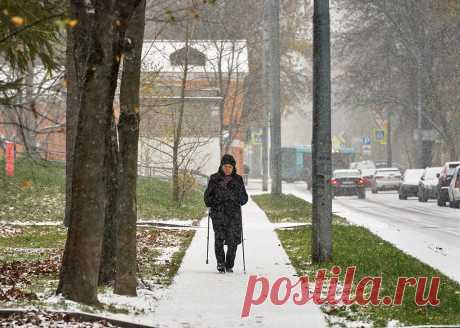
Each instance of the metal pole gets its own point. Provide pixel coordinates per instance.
(274, 95)
(389, 144)
(321, 138)
(207, 247)
(419, 142)
(266, 102)
(242, 244)
(265, 159)
(389, 84)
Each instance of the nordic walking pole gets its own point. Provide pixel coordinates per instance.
(207, 247)
(242, 243)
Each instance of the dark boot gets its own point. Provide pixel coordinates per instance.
(230, 257)
(220, 254)
(221, 267)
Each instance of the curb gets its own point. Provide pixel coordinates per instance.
(77, 315)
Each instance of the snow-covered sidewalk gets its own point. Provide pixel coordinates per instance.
(201, 297)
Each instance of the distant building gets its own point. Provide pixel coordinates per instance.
(215, 80)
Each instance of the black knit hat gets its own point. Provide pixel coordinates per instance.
(228, 159)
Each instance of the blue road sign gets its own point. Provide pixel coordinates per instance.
(366, 140)
(380, 135)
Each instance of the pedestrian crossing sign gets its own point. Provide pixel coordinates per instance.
(380, 136)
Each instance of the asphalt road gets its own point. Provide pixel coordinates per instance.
(424, 230)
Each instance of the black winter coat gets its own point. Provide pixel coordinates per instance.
(225, 206)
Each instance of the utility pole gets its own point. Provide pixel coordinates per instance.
(274, 94)
(419, 142)
(387, 110)
(425, 91)
(265, 157)
(389, 144)
(321, 141)
(265, 97)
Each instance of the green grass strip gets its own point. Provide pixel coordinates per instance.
(357, 246)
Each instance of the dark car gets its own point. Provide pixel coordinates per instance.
(444, 179)
(409, 183)
(348, 183)
(428, 184)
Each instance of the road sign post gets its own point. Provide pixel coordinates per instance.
(9, 159)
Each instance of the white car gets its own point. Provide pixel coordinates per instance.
(362, 165)
(454, 189)
(386, 179)
(410, 182)
(428, 184)
(367, 175)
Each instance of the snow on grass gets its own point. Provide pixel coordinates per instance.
(29, 269)
(29, 223)
(165, 222)
(356, 246)
(49, 319)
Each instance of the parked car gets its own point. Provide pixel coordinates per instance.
(444, 179)
(454, 189)
(367, 164)
(367, 175)
(383, 165)
(348, 183)
(367, 169)
(409, 183)
(428, 184)
(386, 179)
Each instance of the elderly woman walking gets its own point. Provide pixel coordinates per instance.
(224, 195)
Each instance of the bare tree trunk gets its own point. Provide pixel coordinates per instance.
(128, 126)
(113, 162)
(452, 150)
(321, 145)
(178, 127)
(73, 76)
(80, 268)
(274, 94)
(112, 173)
(71, 119)
(29, 115)
(221, 103)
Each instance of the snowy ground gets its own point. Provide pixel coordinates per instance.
(49, 319)
(28, 276)
(200, 297)
(423, 230)
(205, 298)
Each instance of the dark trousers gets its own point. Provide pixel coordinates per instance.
(222, 258)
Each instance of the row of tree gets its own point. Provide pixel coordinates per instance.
(103, 52)
(105, 46)
(397, 59)
(102, 155)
